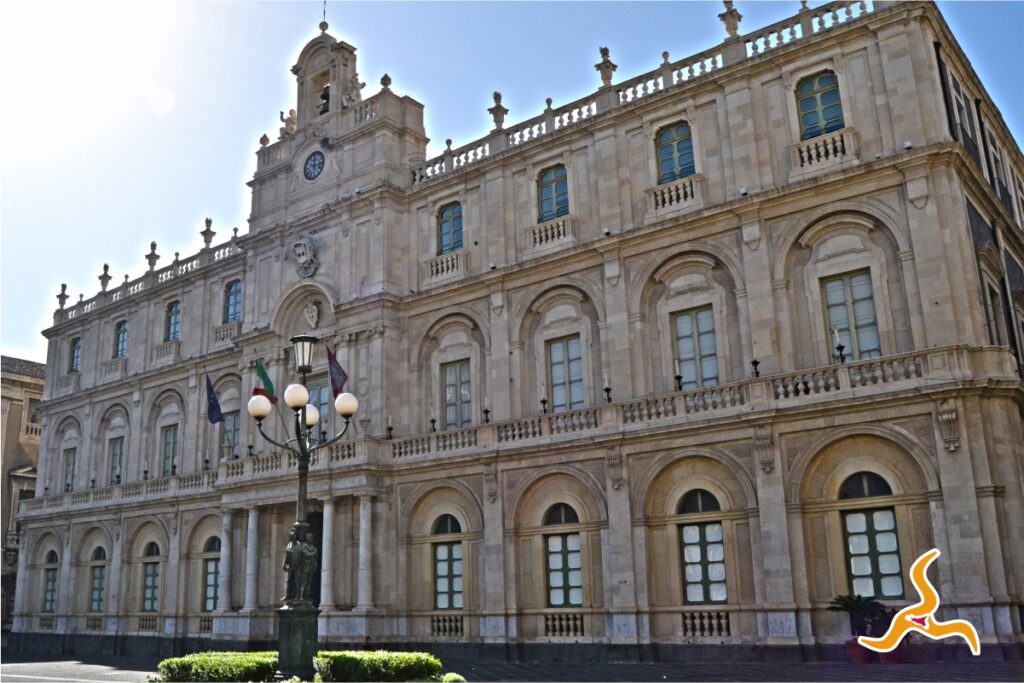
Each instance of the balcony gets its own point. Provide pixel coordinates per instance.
(226, 332)
(445, 267)
(113, 369)
(68, 384)
(167, 352)
(679, 196)
(560, 232)
(827, 152)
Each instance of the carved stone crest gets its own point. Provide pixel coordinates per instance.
(311, 312)
(304, 253)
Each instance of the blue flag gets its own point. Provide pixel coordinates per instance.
(213, 411)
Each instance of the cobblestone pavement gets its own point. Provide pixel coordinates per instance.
(124, 669)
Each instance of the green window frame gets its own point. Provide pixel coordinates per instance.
(448, 569)
(49, 589)
(565, 373)
(211, 581)
(150, 586)
(75, 360)
(850, 313)
(69, 468)
(696, 347)
(819, 106)
(97, 581)
(552, 193)
(674, 149)
(564, 570)
(233, 301)
(873, 553)
(115, 449)
(457, 398)
(449, 228)
(172, 322)
(121, 339)
(168, 449)
(702, 546)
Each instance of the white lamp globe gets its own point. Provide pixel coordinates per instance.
(346, 405)
(259, 406)
(296, 396)
(312, 415)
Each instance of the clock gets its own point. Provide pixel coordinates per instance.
(314, 166)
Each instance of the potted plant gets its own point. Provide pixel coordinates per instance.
(865, 614)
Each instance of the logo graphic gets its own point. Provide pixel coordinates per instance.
(921, 616)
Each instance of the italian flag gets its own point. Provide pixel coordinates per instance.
(268, 387)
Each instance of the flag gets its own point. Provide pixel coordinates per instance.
(213, 409)
(338, 374)
(268, 387)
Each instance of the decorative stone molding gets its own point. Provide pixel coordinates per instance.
(949, 426)
(917, 191)
(764, 450)
(303, 250)
(613, 468)
(752, 235)
(491, 483)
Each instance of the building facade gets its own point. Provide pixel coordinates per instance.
(671, 365)
(21, 399)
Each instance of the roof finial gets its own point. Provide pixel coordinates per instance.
(323, 24)
(731, 18)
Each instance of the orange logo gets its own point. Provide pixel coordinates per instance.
(921, 617)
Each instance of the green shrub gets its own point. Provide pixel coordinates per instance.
(220, 666)
(354, 665)
(452, 677)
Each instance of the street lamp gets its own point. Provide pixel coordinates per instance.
(297, 618)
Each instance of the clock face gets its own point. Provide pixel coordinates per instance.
(313, 166)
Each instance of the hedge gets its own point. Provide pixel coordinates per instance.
(354, 665)
(220, 666)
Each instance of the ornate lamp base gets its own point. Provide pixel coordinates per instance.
(297, 640)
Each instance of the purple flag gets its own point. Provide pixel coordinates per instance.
(338, 374)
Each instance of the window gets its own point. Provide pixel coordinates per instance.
(993, 310)
(233, 301)
(50, 582)
(872, 543)
(449, 228)
(320, 396)
(97, 580)
(674, 146)
(151, 579)
(565, 372)
(457, 403)
(33, 410)
(168, 449)
(552, 193)
(820, 111)
(447, 565)
(69, 468)
(850, 306)
(121, 339)
(564, 560)
(696, 351)
(172, 322)
(702, 549)
(75, 355)
(211, 574)
(116, 449)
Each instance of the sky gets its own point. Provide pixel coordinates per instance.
(125, 123)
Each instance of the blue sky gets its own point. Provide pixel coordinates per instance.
(127, 123)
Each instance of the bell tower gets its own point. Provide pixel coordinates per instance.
(326, 76)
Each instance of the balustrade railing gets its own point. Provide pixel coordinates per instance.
(446, 265)
(823, 152)
(564, 625)
(558, 231)
(447, 625)
(685, 193)
(706, 624)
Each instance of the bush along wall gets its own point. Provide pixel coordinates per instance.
(219, 666)
(380, 665)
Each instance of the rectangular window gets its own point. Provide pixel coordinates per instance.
(993, 309)
(565, 570)
(448, 575)
(565, 373)
(320, 396)
(116, 450)
(457, 403)
(233, 302)
(150, 586)
(873, 553)
(850, 306)
(33, 410)
(229, 439)
(69, 468)
(168, 449)
(211, 578)
(49, 590)
(696, 350)
(75, 362)
(449, 228)
(98, 577)
(553, 193)
(703, 554)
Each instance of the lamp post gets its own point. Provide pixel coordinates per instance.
(297, 618)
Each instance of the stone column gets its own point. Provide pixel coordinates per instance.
(252, 559)
(224, 577)
(327, 558)
(364, 599)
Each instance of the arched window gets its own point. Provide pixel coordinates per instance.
(50, 582)
(449, 228)
(172, 322)
(447, 565)
(817, 100)
(151, 579)
(564, 559)
(211, 574)
(702, 547)
(97, 579)
(552, 193)
(233, 301)
(75, 355)
(121, 339)
(872, 540)
(674, 147)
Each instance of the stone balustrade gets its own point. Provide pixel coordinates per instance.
(446, 266)
(227, 331)
(823, 153)
(685, 194)
(706, 624)
(558, 232)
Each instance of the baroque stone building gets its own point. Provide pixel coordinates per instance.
(671, 365)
